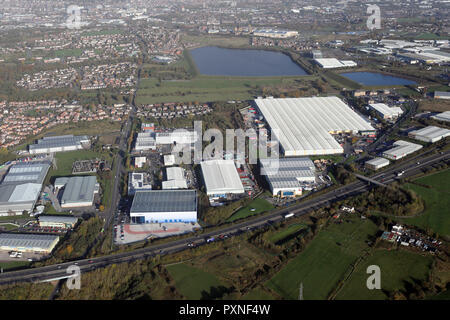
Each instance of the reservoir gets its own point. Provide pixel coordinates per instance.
(376, 79)
(215, 61)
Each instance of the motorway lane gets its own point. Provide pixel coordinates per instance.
(302, 208)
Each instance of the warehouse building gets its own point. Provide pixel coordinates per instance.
(385, 111)
(441, 95)
(401, 149)
(377, 163)
(221, 178)
(39, 243)
(444, 116)
(179, 136)
(164, 206)
(21, 186)
(139, 162)
(175, 179)
(63, 222)
(429, 134)
(304, 126)
(145, 141)
(77, 192)
(59, 144)
(333, 63)
(287, 176)
(138, 181)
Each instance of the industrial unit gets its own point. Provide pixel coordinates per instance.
(59, 144)
(401, 149)
(304, 126)
(441, 95)
(429, 134)
(39, 243)
(162, 206)
(385, 111)
(52, 221)
(377, 163)
(77, 191)
(443, 116)
(287, 176)
(221, 178)
(179, 136)
(175, 179)
(21, 187)
(332, 63)
(138, 181)
(145, 141)
(139, 162)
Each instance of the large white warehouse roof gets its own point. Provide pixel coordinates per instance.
(305, 124)
(221, 177)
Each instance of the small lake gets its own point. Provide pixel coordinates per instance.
(215, 61)
(376, 79)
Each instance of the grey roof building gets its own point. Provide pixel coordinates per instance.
(41, 243)
(77, 191)
(286, 176)
(21, 186)
(59, 144)
(164, 206)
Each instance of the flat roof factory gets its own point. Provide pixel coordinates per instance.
(41, 243)
(287, 176)
(377, 163)
(443, 116)
(21, 187)
(59, 144)
(52, 221)
(305, 125)
(162, 206)
(221, 177)
(77, 191)
(401, 149)
(385, 111)
(429, 134)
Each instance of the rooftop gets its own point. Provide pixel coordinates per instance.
(164, 201)
(304, 125)
(221, 177)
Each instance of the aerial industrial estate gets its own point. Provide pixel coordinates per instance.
(115, 150)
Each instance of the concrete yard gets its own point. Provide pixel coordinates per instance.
(139, 232)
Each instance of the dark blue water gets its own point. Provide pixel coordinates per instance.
(216, 61)
(376, 79)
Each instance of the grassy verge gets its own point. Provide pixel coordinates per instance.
(259, 205)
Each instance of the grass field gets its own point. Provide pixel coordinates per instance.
(191, 282)
(293, 228)
(397, 268)
(207, 88)
(260, 205)
(324, 262)
(258, 294)
(437, 202)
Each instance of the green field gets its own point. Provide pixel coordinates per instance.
(260, 205)
(437, 203)
(258, 294)
(191, 282)
(324, 262)
(293, 228)
(206, 89)
(396, 267)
